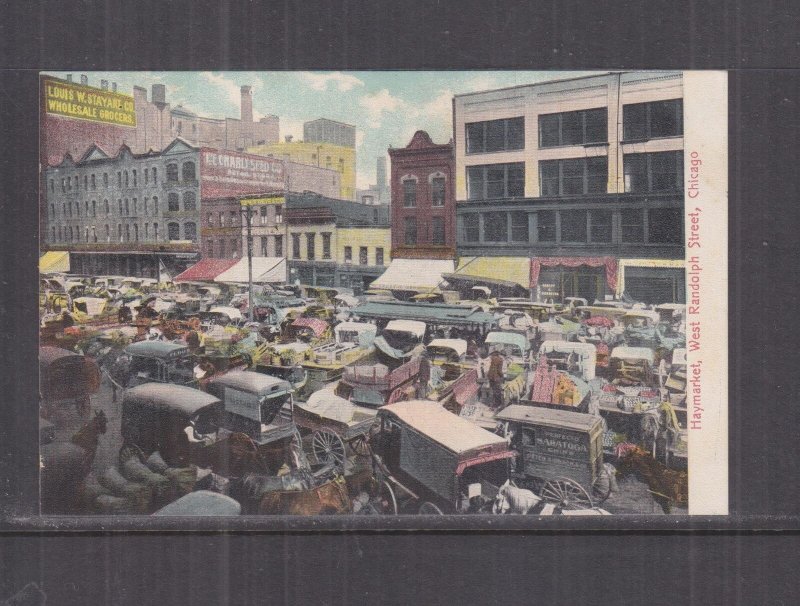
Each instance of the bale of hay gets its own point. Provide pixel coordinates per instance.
(156, 464)
(136, 471)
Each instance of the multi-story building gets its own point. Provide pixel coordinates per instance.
(337, 158)
(323, 130)
(378, 192)
(221, 229)
(130, 214)
(571, 182)
(423, 199)
(323, 235)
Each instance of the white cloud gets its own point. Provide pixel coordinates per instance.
(231, 90)
(364, 179)
(343, 82)
(378, 104)
(291, 126)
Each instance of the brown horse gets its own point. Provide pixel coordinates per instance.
(329, 498)
(669, 486)
(88, 436)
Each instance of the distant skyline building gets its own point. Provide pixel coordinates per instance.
(324, 130)
(379, 192)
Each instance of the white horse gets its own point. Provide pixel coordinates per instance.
(511, 499)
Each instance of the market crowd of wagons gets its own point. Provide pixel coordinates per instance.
(342, 383)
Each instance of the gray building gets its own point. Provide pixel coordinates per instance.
(323, 130)
(127, 214)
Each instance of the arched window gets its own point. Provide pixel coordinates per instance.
(172, 172)
(134, 177)
(134, 207)
(107, 207)
(188, 171)
(120, 206)
(94, 182)
(108, 233)
(94, 208)
(155, 175)
(85, 181)
(70, 233)
(127, 207)
(190, 231)
(77, 209)
(63, 209)
(127, 232)
(135, 232)
(210, 219)
(59, 233)
(119, 231)
(173, 202)
(52, 210)
(155, 232)
(173, 231)
(155, 205)
(146, 230)
(234, 248)
(145, 205)
(94, 234)
(87, 234)
(53, 233)
(189, 200)
(126, 178)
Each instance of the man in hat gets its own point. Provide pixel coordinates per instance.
(496, 378)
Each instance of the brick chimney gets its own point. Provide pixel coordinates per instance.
(247, 104)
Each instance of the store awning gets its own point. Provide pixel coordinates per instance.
(661, 263)
(54, 261)
(501, 271)
(609, 263)
(205, 270)
(419, 275)
(266, 270)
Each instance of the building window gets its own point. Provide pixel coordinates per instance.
(52, 210)
(188, 171)
(643, 121)
(295, 246)
(348, 254)
(119, 232)
(661, 171)
(495, 135)
(573, 226)
(368, 200)
(126, 178)
(210, 248)
(189, 200)
(136, 232)
(146, 172)
(210, 219)
(278, 246)
(134, 177)
(135, 207)
(573, 177)
(145, 204)
(574, 128)
(437, 230)
(94, 183)
(172, 173)
(222, 249)
(85, 187)
(263, 213)
(519, 226)
(234, 215)
(127, 207)
(173, 202)
(155, 232)
(632, 225)
(470, 224)
(222, 219)
(106, 207)
(53, 233)
(546, 225)
(94, 208)
(52, 186)
(409, 193)
(119, 179)
(496, 181)
(437, 191)
(108, 233)
(190, 231)
(326, 246)
(235, 249)
(279, 213)
(155, 175)
(495, 227)
(664, 225)
(264, 246)
(363, 255)
(155, 205)
(146, 230)
(105, 179)
(379, 256)
(127, 232)
(410, 232)
(173, 231)
(86, 235)
(600, 224)
(310, 246)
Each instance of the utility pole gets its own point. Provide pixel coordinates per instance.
(249, 262)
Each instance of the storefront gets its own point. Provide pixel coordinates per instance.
(161, 266)
(504, 276)
(653, 281)
(555, 278)
(414, 275)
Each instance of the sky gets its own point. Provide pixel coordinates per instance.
(385, 107)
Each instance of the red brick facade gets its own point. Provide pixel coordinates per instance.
(423, 162)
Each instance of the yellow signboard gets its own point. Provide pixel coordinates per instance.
(87, 103)
(263, 201)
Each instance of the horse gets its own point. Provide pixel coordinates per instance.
(668, 486)
(89, 434)
(511, 499)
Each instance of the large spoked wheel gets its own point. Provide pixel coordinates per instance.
(328, 448)
(567, 494)
(601, 490)
(429, 509)
(360, 446)
(387, 500)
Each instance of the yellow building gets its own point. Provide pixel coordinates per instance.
(362, 255)
(325, 155)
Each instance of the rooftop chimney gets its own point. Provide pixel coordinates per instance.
(247, 104)
(104, 84)
(84, 80)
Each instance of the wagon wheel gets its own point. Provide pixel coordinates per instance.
(566, 493)
(429, 509)
(328, 447)
(385, 499)
(601, 490)
(360, 445)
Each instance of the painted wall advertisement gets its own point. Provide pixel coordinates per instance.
(87, 103)
(227, 173)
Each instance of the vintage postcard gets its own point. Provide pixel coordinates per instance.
(383, 293)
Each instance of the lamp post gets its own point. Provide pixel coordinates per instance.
(247, 213)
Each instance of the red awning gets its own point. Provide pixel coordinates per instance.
(485, 458)
(206, 270)
(610, 264)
